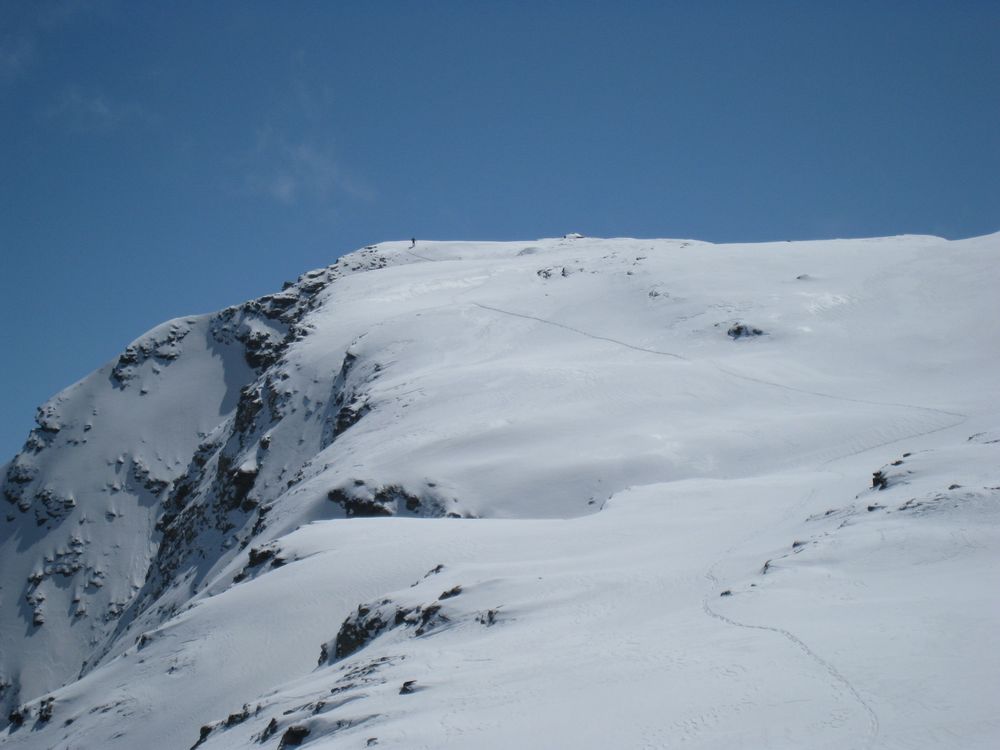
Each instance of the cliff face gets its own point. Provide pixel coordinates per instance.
(141, 477)
(620, 423)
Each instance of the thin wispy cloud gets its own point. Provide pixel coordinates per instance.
(294, 160)
(92, 111)
(26, 26)
(16, 54)
(296, 171)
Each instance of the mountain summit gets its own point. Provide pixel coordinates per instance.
(574, 492)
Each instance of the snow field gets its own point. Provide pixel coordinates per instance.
(670, 538)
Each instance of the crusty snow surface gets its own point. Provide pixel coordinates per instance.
(527, 495)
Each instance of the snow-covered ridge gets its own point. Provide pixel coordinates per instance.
(658, 469)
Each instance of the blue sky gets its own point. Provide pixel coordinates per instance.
(163, 159)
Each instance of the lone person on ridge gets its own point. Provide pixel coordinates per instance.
(413, 242)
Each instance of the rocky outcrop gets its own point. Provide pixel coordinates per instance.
(741, 330)
(371, 620)
(349, 400)
(162, 344)
(202, 504)
(360, 501)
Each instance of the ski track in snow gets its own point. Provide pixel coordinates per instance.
(760, 381)
(835, 397)
(423, 257)
(837, 675)
(873, 721)
(909, 436)
(732, 373)
(583, 333)
(829, 668)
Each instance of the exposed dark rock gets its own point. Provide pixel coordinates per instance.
(428, 617)
(249, 406)
(357, 631)
(349, 415)
(47, 418)
(370, 621)
(257, 557)
(451, 592)
(548, 273)
(203, 735)
(742, 330)
(260, 555)
(239, 717)
(879, 481)
(408, 687)
(349, 402)
(162, 345)
(51, 505)
(262, 349)
(142, 476)
(488, 618)
(21, 473)
(38, 440)
(242, 481)
(358, 507)
(293, 736)
(360, 501)
(269, 730)
(361, 674)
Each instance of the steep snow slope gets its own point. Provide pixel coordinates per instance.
(644, 467)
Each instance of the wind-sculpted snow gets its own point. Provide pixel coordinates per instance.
(568, 493)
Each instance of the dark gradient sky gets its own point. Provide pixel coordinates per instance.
(162, 159)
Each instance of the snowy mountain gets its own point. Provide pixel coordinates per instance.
(576, 492)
